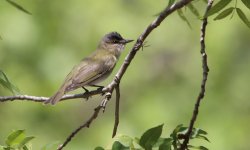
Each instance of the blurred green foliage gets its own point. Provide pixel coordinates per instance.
(37, 51)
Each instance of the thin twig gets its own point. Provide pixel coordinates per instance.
(88, 122)
(43, 99)
(84, 125)
(204, 78)
(117, 105)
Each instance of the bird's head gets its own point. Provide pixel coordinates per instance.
(113, 42)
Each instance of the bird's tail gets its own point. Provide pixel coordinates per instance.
(55, 98)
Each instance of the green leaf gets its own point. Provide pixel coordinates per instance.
(25, 147)
(200, 131)
(202, 137)
(4, 81)
(197, 131)
(124, 139)
(183, 17)
(25, 141)
(224, 13)
(218, 7)
(193, 10)
(162, 140)
(243, 17)
(15, 138)
(150, 137)
(246, 3)
(118, 146)
(18, 6)
(166, 145)
(99, 148)
(197, 147)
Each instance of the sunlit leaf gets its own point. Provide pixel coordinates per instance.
(224, 13)
(246, 3)
(25, 141)
(243, 17)
(124, 139)
(15, 137)
(19, 7)
(193, 10)
(183, 17)
(150, 137)
(218, 7)
(4, 81)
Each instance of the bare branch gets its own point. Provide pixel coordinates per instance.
(43, 99)
(204, 77)
(88, 122)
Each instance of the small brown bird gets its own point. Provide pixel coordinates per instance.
(95, 68)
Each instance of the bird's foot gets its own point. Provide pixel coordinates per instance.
(86, 92)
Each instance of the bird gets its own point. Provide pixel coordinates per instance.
(95, 68)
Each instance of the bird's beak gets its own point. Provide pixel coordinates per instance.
(125, 41)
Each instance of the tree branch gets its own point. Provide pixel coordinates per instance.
(204, 77)
(108, 90)
(43, 99)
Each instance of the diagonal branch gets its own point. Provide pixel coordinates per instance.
(88, 122)
(204, 78)
(85, 125)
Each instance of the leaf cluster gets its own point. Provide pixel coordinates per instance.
(17, 140)
(151, 139)
(224, 12)
(219, 8)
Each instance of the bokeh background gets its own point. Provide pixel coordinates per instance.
(161, 85)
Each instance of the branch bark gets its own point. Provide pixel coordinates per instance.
(204, 78)
(43, 99)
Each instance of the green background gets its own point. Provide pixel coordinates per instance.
(160, 86)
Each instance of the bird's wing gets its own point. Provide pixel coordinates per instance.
(87, 72)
